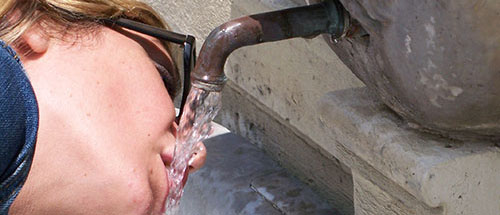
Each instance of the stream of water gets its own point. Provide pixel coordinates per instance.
(195, 126)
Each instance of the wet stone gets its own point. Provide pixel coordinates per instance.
(289, 195)
(239, 178)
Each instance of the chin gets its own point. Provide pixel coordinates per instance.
(144, 200)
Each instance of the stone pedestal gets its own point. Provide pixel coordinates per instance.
(398, 170)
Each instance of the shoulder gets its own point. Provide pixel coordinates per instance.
(18, 126)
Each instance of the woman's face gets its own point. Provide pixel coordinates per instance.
(106, 129)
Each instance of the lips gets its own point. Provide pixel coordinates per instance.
(167, 158)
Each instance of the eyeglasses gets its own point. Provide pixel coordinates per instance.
(187, 41)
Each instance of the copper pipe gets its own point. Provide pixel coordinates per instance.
(307, 21)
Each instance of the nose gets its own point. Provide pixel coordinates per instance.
(198, 158)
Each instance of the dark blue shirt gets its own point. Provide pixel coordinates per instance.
(18, 126)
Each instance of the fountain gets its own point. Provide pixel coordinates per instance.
(401, 52)
(208, 77)
(433, 62)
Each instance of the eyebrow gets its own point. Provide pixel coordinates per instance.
(165, 75)
(166, 70)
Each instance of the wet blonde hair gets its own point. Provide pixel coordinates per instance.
(62, 15)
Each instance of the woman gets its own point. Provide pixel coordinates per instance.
(105, 117)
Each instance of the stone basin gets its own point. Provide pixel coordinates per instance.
(435, 63)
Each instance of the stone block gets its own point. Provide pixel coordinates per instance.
(370, 199)
(457, 176)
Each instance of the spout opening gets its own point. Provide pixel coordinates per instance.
(210, 86)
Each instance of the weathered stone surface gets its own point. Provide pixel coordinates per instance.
(436, 63)
(369, 199)
(292, 149)
(288, 77)
(461, 177)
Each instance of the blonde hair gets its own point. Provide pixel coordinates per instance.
(19, 15)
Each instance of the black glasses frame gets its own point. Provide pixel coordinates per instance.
(187, 41)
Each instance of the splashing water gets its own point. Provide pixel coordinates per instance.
(195, 126)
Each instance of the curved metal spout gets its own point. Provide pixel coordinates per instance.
(326, 17)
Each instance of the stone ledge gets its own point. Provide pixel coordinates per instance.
(461, 177)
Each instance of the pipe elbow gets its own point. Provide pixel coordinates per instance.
(218, 46)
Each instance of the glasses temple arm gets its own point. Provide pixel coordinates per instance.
(149, 30)
(189, 56)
